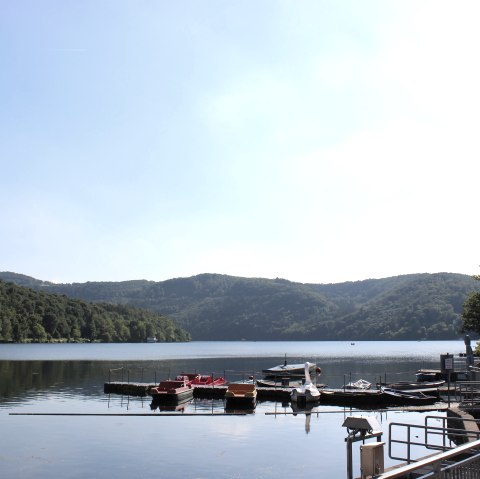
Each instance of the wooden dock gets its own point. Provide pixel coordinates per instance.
(276, 394)
(200, 392)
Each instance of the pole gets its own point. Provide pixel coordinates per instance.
(349, 457)
(448, 387)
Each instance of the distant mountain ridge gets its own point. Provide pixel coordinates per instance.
(222, 307)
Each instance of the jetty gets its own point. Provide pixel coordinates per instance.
(199, 392)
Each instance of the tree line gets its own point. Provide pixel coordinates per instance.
(27, 315)
(222, 307)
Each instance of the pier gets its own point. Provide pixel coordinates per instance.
(274, 394)
(200, 392)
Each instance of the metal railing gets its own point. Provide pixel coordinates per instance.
(469, 392)
(429, 432)
(445, 420)
(462, 462)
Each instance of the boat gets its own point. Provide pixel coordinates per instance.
(403, 398)
(374, 398)
(290, 370)
(429, 375)
(241, 396)
(203, 379)
(360, 384)
(419, 386)
(173, 390)
(283, 383)
(308, 392)
(364, 398)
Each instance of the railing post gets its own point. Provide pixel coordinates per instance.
(408, 445)
(349, 457)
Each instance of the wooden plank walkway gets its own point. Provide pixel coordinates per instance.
(200, 392)
(277, 394)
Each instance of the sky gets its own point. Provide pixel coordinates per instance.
(316, 141)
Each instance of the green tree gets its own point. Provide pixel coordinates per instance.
(471, 313)
(38, 333)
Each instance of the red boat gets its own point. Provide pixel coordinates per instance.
(203, 379)
(176, 390)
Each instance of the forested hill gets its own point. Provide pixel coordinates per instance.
(220, 307)
(29, 315)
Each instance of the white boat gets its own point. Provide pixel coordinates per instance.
(360, 384)
(290, 370)
(308, 392)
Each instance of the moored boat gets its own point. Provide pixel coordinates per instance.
(283, 383)
(404, 398)
(173, 390)
(430, 387)
(290, 370)
(365, 398)
(374, 398)
(203, 379)
(241, 395)
(308, 392)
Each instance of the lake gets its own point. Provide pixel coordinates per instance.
(127, 439)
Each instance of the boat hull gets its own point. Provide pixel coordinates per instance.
(285, 383)
(289, 370)
(371, 399)
(241, 396)
(173, 391)
(353, 398)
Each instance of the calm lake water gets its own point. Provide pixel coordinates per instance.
(126, 439)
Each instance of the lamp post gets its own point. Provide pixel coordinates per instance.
(360, 428)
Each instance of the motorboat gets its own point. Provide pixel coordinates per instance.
(290, 370)
(308, 392)
(173, 390)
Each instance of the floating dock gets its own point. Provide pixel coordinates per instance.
(200, 392)
(370, 399)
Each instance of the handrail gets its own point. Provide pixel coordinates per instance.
(434, 462)
(444, 420)
(428, 430)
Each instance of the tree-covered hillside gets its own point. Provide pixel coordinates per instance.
(30, 315)
(221, 307)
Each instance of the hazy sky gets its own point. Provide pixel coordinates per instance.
(317, 141)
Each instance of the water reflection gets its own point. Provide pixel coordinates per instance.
(26, 379)
(180, 406)
(120, 441)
